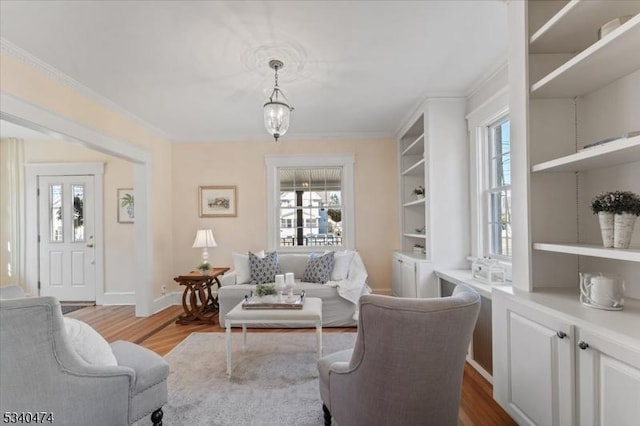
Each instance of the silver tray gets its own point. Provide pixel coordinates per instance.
(251, 302)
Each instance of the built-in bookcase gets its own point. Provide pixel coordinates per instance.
(413, 172)
(432, 154)
(578, 90)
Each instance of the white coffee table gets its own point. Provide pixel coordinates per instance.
(310, 314)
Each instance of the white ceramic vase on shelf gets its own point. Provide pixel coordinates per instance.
(606, 228)
(623, 229)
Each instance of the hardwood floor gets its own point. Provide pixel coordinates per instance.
(160, 334)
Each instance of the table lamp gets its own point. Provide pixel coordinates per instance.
(204, 239)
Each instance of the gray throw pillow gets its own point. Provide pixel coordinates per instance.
(319, 268)
(264, 270)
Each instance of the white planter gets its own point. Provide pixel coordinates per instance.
(623, 229)
(606, 228)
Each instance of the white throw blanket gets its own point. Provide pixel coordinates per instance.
(355, 285)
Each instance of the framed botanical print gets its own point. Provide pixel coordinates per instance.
(126, 212)
(218, 201)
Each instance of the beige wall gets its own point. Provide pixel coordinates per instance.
(243, 164)
(24, 81)
(118, 173)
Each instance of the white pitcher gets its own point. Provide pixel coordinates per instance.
(602, 291)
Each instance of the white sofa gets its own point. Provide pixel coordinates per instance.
(339, 296)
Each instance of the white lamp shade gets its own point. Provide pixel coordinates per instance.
(204, 238)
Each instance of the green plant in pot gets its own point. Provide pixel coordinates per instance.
(265, 290)
(617, 213)
(204, 268)
(419, 191)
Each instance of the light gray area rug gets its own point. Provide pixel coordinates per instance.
(275, 382)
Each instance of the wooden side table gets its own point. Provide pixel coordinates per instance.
(199, 304)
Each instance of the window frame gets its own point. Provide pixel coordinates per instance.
(275, 161)
(478, 122)
(488, 189)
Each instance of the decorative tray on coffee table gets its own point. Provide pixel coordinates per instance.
(252, 302)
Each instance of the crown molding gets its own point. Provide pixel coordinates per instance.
(484, 78)
(19, 53)
(413, 112)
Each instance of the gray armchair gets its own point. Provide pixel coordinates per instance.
(407, 364)
(40, 371)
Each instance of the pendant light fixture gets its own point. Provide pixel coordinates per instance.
(277, 109)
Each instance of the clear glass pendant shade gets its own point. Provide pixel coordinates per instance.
(276, 114)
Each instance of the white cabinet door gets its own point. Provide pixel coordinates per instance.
(396, 275)
(533, 364)
(403, 276)
(408, 278)
(608, 382)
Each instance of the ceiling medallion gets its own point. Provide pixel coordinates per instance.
(277, 109)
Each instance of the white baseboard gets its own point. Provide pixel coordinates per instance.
(484, 373)
(169, 299)
(126, 298)
(119, 298)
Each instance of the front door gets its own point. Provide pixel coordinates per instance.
(66, 215)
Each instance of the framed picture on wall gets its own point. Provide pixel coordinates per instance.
(126, 212)
(218, 201)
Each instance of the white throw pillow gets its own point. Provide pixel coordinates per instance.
(342, 263)
(241, 266)
(88, 343)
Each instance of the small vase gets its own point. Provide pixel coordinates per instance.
(606, 228)
(623, 229)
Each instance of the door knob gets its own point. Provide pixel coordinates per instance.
(90, 245)
(561, 334)
(583, 345)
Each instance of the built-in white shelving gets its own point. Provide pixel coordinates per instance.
(595, 66)
(416, 147)
(592, 250)
(418, 202)
(589, 93)
(626, 150)
(576, 25)
(419, 236)
(415, 169)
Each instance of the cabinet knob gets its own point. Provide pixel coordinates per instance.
(583, 345)
(561, 334)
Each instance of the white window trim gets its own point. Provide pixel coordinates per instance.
(478, 122)
(273, 162)
(488, 188)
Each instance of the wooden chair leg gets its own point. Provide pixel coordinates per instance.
(327, 415)
(156, 417)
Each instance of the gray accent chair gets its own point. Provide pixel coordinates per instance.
(40, 371)
(407, 364)
(11, 292)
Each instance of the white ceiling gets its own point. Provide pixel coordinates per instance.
(197, 70)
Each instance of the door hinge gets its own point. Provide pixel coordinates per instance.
(38, 192)
(38, 285)
(38, 238)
